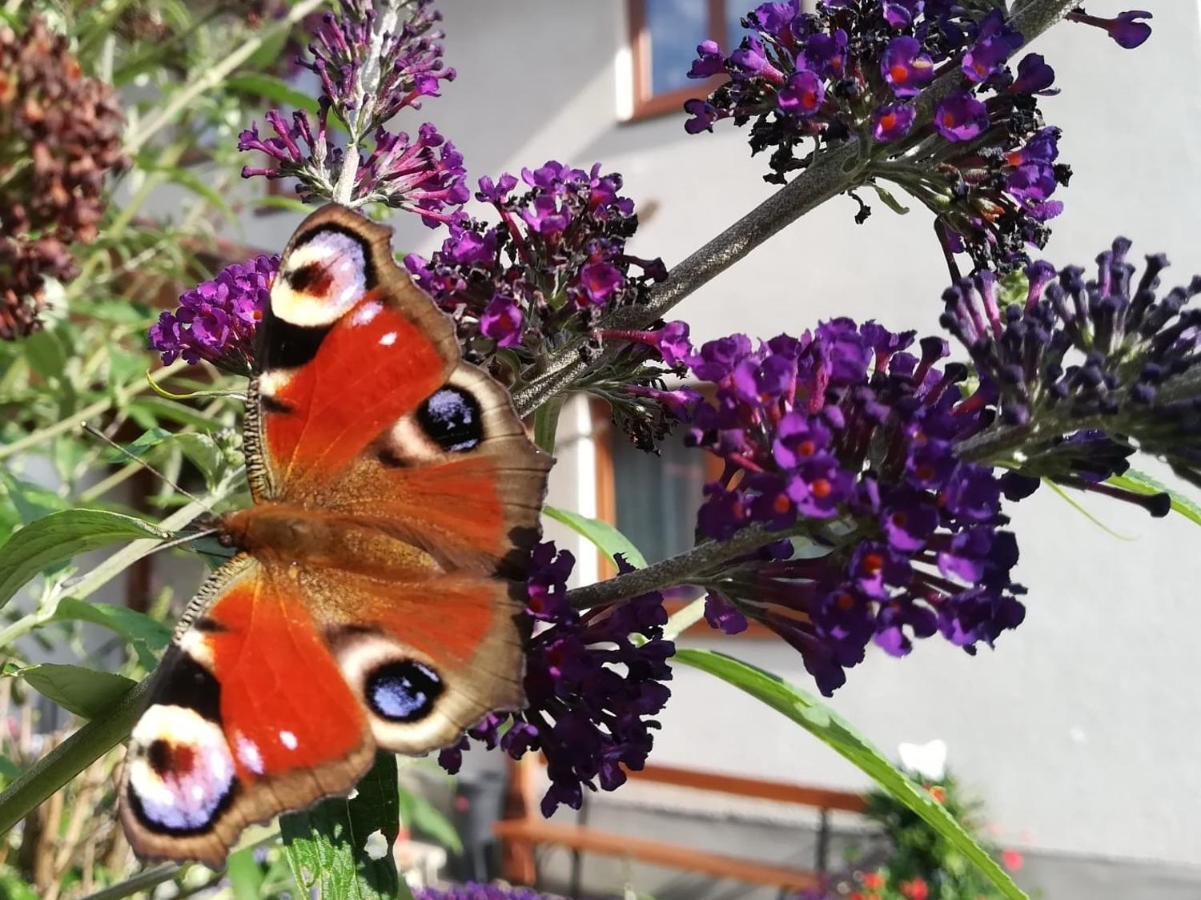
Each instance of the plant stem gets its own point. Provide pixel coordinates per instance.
(685, 568)
(70, 757)
(210, 78)
(94, 409)
(831, 172)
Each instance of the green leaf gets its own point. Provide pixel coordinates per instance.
(1141, 483)
(59, 537)
(162, 408)
(334, 847)
(148, 636)
(31, 501)
(280, 201)
(889, 200)
(608, 539)
(245, 874)
(427, 820)
(271, 88)
(46, 353)
(85, 692)
(831, 729)
(201, 449)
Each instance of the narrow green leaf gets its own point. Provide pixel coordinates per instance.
(608, 539)
(245, 875)
(890, 200)
(162, 408)
(60, 536)
(280, 201)
(425, 819)
(343, 847)
(1141, 483)
(143, 883)
(31, 501)
(269, 87)
(85, 692)
(148, 636)
(201, 449)
(830, 728)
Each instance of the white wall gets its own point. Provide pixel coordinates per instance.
(1080, 731)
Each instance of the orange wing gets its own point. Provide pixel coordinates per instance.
(397, 497)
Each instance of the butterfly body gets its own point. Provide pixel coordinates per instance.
(373, 597)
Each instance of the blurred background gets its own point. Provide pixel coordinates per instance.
(1079, 733)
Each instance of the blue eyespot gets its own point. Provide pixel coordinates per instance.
(403, 691)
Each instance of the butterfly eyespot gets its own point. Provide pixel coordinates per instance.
(403, 690)
(181, 774)
(452, 419)
(312, 278)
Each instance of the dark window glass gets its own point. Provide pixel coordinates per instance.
(675, 28)
(657, 497)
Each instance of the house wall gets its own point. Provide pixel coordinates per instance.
(1080, 730)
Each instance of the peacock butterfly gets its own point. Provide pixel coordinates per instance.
(372, 599)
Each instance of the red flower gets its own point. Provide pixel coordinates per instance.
(1012, 859)
(915, 889)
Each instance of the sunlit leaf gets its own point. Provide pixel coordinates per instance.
(85, 692)
(607, 539)
(331, 849)
(1141, 483)
(830, 728)
(61, 536)
(423, 818)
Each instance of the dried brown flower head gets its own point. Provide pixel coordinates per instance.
(60, 133)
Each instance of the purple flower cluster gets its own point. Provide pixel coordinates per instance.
(853, 69)
(554, 261)
(216, 320)
(1108, 356)
(844, 438)
(424, 174)
(406, 51)
(591, 687)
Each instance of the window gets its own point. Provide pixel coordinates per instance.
(653, 500)
(663, 39)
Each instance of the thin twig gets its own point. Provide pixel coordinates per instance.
(685, 568)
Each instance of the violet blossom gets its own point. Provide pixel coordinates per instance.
(217, 319)
(810, 80)
(423, 174)
(546, 270)
(844, 438)
(591, 687)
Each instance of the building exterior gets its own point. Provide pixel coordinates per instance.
(1080, 731)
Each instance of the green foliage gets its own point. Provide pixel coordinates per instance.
(1141, 483)
(60, 536)
(921, 855)
(832, 730)
(604, 536)
(343, 847)
(86, 692)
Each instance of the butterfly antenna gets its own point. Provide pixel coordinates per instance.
(104, 438)
(187, 538)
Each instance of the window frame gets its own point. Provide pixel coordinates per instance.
(646, 104)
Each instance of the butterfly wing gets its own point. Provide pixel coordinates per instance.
(293, 670)
(249, 717)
